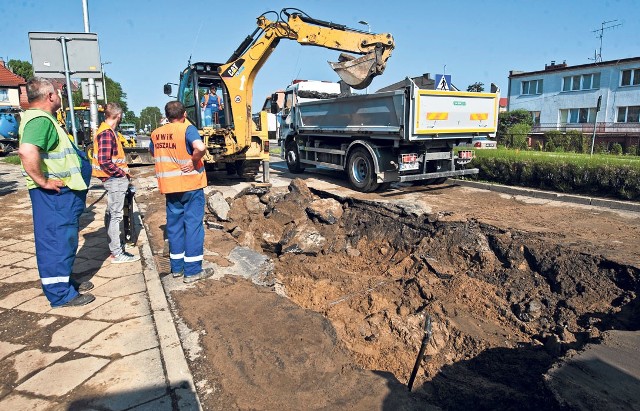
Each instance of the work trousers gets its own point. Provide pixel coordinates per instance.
(185, 231)
(116, 191)
(55, 224)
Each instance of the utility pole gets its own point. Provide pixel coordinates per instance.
(93, 100)
(603, 27)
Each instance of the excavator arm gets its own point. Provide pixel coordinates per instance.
(240, 70)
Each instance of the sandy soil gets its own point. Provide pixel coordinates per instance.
(512, 285)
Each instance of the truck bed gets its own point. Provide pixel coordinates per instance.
(409, 114)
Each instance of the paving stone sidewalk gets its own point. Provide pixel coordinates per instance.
(120, 352)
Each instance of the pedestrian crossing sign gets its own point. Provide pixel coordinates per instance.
(443, 82)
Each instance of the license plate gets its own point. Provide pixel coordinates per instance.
(409, 162)
(465, 154)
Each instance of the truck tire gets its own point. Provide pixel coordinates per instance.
(88, 150)
(360, 170)
(293, 158)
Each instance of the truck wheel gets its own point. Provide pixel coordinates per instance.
(360, 171)
(293, 158)
(88, 150)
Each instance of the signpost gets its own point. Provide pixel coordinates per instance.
(55, 54)
(595, 122)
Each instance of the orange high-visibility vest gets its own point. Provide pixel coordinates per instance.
(118, 159)
(170, 153)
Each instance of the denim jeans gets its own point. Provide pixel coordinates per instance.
(116, 190)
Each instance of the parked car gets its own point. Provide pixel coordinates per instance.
(483, 142)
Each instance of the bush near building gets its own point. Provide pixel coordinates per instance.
(598, 175)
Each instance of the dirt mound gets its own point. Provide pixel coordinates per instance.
(505, 304)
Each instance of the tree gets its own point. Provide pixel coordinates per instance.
(476, 87)
(508, 119)
(130, 117)
(21, 68)
(150, 116)
(114, 94)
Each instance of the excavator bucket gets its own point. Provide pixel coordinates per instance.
(357, 72)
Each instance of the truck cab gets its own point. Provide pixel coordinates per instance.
(301, 91)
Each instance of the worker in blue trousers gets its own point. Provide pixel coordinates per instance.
(178, 149)
(58, 176)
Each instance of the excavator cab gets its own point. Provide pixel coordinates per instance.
(195, 82)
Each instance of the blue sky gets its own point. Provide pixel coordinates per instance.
(148, 42)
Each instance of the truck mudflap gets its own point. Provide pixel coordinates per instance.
(441, 174)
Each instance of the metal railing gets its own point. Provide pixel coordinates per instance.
(602, 128)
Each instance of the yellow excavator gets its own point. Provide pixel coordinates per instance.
(234, 141)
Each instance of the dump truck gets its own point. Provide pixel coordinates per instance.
(234, 142)
(410, 134)
(272, 106)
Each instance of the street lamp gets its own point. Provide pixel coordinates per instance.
(364, 23)
(104, 85)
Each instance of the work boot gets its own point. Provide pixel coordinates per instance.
(206, 273)
(79, 300)
(82, 287)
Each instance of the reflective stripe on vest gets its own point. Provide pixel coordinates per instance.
(61, 163)
(170, 153)
(119, 159)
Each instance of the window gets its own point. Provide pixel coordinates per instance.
(4, 94)
(535, 116)
(532, 87)
(581, 82)
(578, 115)
(629, 114)
(630, 77)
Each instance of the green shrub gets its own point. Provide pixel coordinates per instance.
(508, 119)
(519, 134)
(550, 146)
(578, 142)
(598, 175)
(601, 148)
(563, 141)
(616, 149)
(631, 151)
(552, 135)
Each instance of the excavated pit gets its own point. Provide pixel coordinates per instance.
(505, 304)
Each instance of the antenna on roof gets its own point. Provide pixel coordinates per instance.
(605, 25)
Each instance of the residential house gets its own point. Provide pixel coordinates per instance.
(13, 89)
(563, 97)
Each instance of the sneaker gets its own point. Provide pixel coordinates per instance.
(206, 273)
(129, 246)
(83, 286)
(124, 258)
(176, 275)
(79, 300)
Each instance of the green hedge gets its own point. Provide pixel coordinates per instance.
(601, 175)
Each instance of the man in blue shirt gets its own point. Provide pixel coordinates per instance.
(212, 105)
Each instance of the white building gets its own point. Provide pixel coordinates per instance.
(563, 97)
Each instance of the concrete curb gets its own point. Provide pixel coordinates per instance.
(547, 195)
(177, 370)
